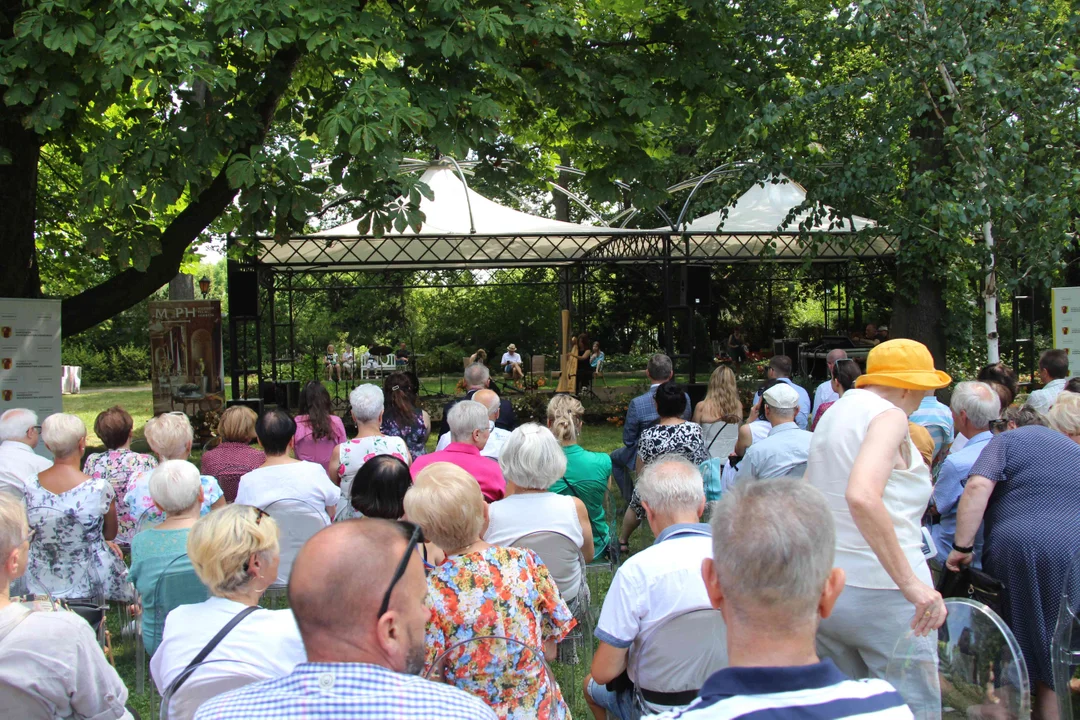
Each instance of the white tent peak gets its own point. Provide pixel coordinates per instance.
(447, 213)
(764, 208)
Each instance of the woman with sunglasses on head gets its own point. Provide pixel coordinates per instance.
(234, 551)
(844, 373)
(483, 590)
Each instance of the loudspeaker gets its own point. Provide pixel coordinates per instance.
(255, 404)
(243, 290)
(699, 285)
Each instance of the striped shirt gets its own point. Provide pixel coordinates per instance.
(936, 417)
(810, 692)
(331, 691)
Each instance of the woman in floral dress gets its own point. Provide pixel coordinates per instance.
(483, 590)
(118, 463)
(366, 402)
(73, 517)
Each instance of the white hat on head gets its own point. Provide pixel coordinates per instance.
(782, 397)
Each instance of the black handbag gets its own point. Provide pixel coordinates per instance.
(973, 584)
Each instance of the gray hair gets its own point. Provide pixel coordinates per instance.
(659, 367)
(175, 485)
(476, 375)
(532, 458)
(773, 546)
(466, 417)
(981, 403)
(366, 402)
(671, 483)
(16, 422)
(13, 524)
(835, 354)
(62, 433)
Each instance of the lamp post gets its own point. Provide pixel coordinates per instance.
(204, 286)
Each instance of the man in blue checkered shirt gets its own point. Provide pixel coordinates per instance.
(357, 589)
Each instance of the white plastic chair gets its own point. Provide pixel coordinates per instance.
(297, 521)
(204, 682)
(972, 667)
(48, 551)
(1065, 645)
(673, 660)
(500, 671)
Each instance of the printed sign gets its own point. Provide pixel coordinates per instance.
(30, 372)
(1066, 306)
(185, 343)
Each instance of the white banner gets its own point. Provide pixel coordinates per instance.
(30, 373)
(1066, 306)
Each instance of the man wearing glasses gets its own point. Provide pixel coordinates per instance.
(358, 592)
(19, 435)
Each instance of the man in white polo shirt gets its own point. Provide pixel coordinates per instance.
(20, 434)
(282, 477)
(498, 437)
(771, 574)
(660, 581)
(824, 392)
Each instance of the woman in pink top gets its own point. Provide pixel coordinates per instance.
(318, 430)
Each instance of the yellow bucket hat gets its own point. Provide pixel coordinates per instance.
(903, 364)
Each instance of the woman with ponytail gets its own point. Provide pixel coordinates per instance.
(587, 472)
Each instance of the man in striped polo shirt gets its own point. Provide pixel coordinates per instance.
(772, 577)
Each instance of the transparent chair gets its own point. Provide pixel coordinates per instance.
(973, 668)
(1065, 645)
(176, 585)
(505, 673)
(671, 662)
(204, 682)
(297, 521)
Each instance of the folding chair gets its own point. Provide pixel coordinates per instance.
(176, 585)
(972, 666)
(510, 671)
(671, 662)
(204, 682)
(297, 521)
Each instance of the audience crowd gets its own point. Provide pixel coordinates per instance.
(794, 547)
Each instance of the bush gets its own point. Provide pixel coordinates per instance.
(121, 365)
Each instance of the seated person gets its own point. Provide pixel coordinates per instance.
(51, 665)
(469, 433)
(234, 551)
(401, 355)
(177, 492)
(318, 430)
(587, 473)
(234, 456)
(365, 653)
(785, 449)
(511, 363)
(115, 428)
(482, 589)
(660, 581)
(771, 574)
(498, 437)
(477, 377)
(282, 477)
(379, 492)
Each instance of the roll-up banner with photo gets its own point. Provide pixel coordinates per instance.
(30, 372)
(185, 344)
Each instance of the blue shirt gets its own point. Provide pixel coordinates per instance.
(683, 529)
(948, 489)
(936, 417)
(811, 692)
(330, 691)
(783, 452)
(803, 416)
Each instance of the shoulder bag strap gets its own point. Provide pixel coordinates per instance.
(24, 612)
(713, 441)
(214, 641)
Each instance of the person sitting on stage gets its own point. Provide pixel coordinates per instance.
(511, 363)
(469, 432)
(401, 355)
(348, 361)
(330, 362)
(477, 378)
(490, 400)
(480, 356)
(736, 347)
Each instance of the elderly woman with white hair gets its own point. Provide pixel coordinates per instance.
(74, 517)
(531, 461)
(51, 665)
(1022, 489)
(367, 404)
(234, 551)
(170, 437)
(484, 590)
(177, 491)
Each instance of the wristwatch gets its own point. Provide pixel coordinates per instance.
(965, 550)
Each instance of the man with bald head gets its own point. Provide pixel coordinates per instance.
(358, 592)
(489, 399)
(824, 392)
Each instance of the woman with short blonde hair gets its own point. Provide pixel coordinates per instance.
(234, 456)
(1064, 416)
(170, 436)
(234, 552)
(482, 589)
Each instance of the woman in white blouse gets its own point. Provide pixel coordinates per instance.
(234, 551)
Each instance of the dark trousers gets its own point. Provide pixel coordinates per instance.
(622, 464)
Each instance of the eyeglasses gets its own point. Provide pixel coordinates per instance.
(30, 536)
(415, 538)
(998, 426)
(259, 515)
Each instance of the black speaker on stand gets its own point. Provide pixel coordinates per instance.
(243, 290)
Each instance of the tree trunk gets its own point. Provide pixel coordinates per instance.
(18, 206)
(182, 287)
(921, 316)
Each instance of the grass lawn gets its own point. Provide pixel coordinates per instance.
(138, 402)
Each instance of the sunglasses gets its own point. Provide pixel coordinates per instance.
(416, 536)
(998, 426)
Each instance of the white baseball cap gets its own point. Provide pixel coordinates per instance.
(782, 397)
